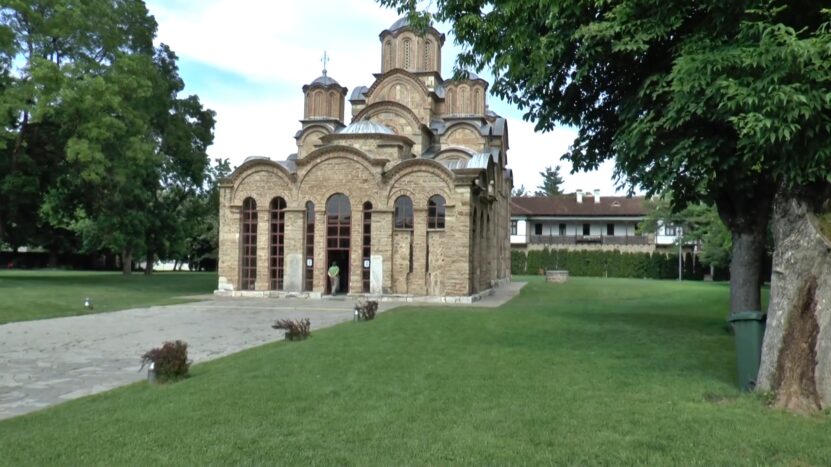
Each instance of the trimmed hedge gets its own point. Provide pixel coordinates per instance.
(605, 264)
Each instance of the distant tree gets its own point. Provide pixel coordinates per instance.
(519, 192)
(552, 182)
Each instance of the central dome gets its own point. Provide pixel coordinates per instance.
(402, 22)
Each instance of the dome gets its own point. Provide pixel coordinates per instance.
(325, 80)
(469, 75)
(401, 23)
(365, 127)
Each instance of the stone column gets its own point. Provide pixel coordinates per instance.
(381, 265)
(418, 285)
(320, 265)
(229, 247)
(293, 254)
(263, 233)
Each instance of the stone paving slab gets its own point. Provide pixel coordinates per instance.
(46, 362)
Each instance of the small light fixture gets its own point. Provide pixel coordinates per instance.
(88, 303)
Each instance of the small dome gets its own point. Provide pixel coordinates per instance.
(469, 75)
(401, 23)
(365, 127)
(325, 80)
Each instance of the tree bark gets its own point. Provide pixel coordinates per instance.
(796, 354)
(148, 268)
(126, 261)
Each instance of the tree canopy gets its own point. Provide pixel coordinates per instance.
(552, 182)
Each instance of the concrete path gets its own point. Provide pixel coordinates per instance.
(46, 362)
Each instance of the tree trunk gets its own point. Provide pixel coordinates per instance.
(148, 268)
(126, 261)
(746, 270)
(796, 354)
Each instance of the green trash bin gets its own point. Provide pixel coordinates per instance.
(749, 329)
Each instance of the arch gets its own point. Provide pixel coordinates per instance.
(477, 98)
(317, 109)
(327, 153)
(436, 207)
(308, 282)
(248, 181)
(403, 212)
(248, 244)
(338, 240)
(402, 169)
(464, 100)
(332, 107)
(396, 108)
(387, 58)
(276, 243)
(397, 73)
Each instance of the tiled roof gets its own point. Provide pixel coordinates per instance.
(567, 205)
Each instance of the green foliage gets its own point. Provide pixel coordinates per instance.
(590, 263)
(169, 362)
(552, 182)
(519, 192)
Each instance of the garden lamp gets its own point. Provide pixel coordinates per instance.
(88, 303)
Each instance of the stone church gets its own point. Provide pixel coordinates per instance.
(411, 197)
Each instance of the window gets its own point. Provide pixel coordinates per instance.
(537, 229)
(406, 46)
(387, 55)
(310, 245)
(435, 212)
(610, 230)
(562, 230)
(513, 227)
(428, 55)
(276, 245)
(404, 213)
(670, 230)
(367, 245)
(248, 269)
(587, 229)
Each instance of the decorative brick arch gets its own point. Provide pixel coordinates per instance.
(309, 165)
(284, 186)
(442, 175)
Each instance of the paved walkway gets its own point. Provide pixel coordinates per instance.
(50, 361)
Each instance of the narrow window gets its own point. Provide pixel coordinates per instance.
(404, 213)
(387, 55)
(670, 230)
(248, 269)
(367, 245)
(537, 229)
(435, 212)
(513, 227)
(610, 229)
(276, 250)
(406, 46)
(587, 229)
(310, 245)
(562, 230)
(428, 55)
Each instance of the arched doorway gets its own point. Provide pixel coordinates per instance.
(338, 234)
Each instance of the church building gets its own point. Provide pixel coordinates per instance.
(411, 197)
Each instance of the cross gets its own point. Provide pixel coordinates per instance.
(325, 60)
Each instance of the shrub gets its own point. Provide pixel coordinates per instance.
(296, 329)
(169, 362)
(365, 311)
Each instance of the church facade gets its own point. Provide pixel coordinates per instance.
(411, 197)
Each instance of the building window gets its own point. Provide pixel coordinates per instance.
(587, 229)
(276, 247)
(404, 213)
(310, 245)
(670, 230)
(610, 230)
(248, 269)
(406, 46)
(428, 55)
(435, 212)
(562, 230)
(537, 229)
(513, 227)
(387, 55)
(367, 245)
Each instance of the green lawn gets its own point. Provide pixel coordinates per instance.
(595, 371)
(38, 294)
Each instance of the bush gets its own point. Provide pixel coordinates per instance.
(169, 362)
(365, 311)
(605, 264)
(296, 329)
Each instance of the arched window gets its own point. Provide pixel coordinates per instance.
(435, 212)
(248, 257)
(367, 245)
(406, 45)
(276, 244)
(387, 56)
(310, 245)
(451, 94)
(404, 213)
(477, 98)
(428, 55)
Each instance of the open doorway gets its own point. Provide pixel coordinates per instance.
(341, 259)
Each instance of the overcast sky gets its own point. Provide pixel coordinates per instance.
(248, 59)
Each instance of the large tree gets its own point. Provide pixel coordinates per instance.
(93, 114)
(552, 182)
(718, 102)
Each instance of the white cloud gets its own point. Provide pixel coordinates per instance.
(275, 47)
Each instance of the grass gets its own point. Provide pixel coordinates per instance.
(590, 372)
(27, 295)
